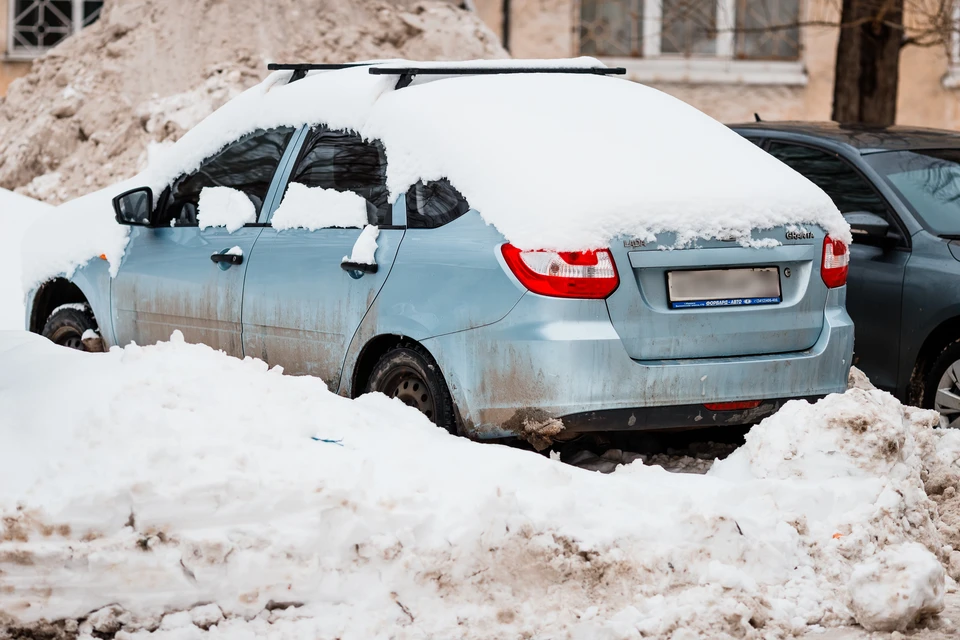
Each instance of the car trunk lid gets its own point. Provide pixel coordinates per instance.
(719, 299)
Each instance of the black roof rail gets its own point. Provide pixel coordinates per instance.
(300, 70)
(407, 73)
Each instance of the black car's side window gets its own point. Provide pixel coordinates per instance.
(247, 165)
(434, 204)
(344, 161)
(847, 188)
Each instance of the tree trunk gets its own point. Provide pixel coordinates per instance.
(868, 62)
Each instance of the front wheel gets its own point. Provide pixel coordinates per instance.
(409, 374)
(942, 386)
(67, 325)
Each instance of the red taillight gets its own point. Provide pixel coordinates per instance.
(733, 406)
(835, 262)
(564, 274)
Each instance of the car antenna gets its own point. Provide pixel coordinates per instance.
(756, 117)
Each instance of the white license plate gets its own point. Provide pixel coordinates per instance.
(723, 287)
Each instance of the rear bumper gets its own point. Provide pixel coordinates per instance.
(691, 415)
(564, 358)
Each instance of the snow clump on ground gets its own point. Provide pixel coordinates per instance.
(183, 490)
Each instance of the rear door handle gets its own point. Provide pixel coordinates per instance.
(358, 266)
(227, 257)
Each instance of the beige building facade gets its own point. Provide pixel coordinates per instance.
(733, 69)
(713, 54)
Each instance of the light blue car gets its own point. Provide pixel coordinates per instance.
(485, 339)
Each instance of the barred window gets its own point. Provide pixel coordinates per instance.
(726, 29)
(38, 25)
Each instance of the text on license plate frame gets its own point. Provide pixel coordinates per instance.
(698, 288)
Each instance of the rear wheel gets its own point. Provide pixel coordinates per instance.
(66, 327)
(409, 374)
(942, 386)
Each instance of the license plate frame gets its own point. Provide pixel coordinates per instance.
(729, 287)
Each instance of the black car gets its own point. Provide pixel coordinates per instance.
(899, 188)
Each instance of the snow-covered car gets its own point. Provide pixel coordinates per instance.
(513, 248)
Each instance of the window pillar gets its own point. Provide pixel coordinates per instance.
(76, 15)
(652, 13)
(726, 25)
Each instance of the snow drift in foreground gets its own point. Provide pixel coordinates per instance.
(181, 488)
(16, 214)
(566, 162)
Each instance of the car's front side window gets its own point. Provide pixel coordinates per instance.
(847, 188)
(928, 181)
(434, 204)
(343, 161)
(246, 165)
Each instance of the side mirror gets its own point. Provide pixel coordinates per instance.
(135, 207)
(867, 225)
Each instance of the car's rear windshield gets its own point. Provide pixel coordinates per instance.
(928, 181)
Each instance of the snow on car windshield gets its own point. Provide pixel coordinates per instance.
(554, 161)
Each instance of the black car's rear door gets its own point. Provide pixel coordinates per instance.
(877, 267)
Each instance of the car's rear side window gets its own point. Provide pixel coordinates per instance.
(848, 189)
(344, 161)
(247, 165)
(434, 204)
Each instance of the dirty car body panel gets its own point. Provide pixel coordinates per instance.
(647, 353)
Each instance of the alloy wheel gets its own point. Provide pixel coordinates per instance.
(947, 401)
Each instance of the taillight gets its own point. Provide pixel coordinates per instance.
(835, 262)
(564, 274)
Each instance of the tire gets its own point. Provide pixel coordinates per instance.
(941, 386)
(66, 326)
(410, 374)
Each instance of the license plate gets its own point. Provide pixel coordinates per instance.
(723, 287)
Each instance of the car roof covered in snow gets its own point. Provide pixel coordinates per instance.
(553, 161)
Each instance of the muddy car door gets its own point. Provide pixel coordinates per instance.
(302, 304)
(186, 272)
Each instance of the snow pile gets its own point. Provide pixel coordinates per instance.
(365, 248)
(182, 489)
(88, 111)
(16, 214)
(898, 586)
(315, 208)
(225, 207)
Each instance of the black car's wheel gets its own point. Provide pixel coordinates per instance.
(66, 327)
(942, 386)
(410, 374)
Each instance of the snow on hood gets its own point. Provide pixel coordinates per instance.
(178, 475)
(552, 161)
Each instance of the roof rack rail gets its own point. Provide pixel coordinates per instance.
(407, 73)
(300, 70)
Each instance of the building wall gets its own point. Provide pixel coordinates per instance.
(548, 28)
(9, 70)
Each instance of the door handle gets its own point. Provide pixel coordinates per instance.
(229, 258)
(358, 266)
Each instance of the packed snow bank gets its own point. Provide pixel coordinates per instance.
(898, 586)
(17, 213)
(178, 477)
